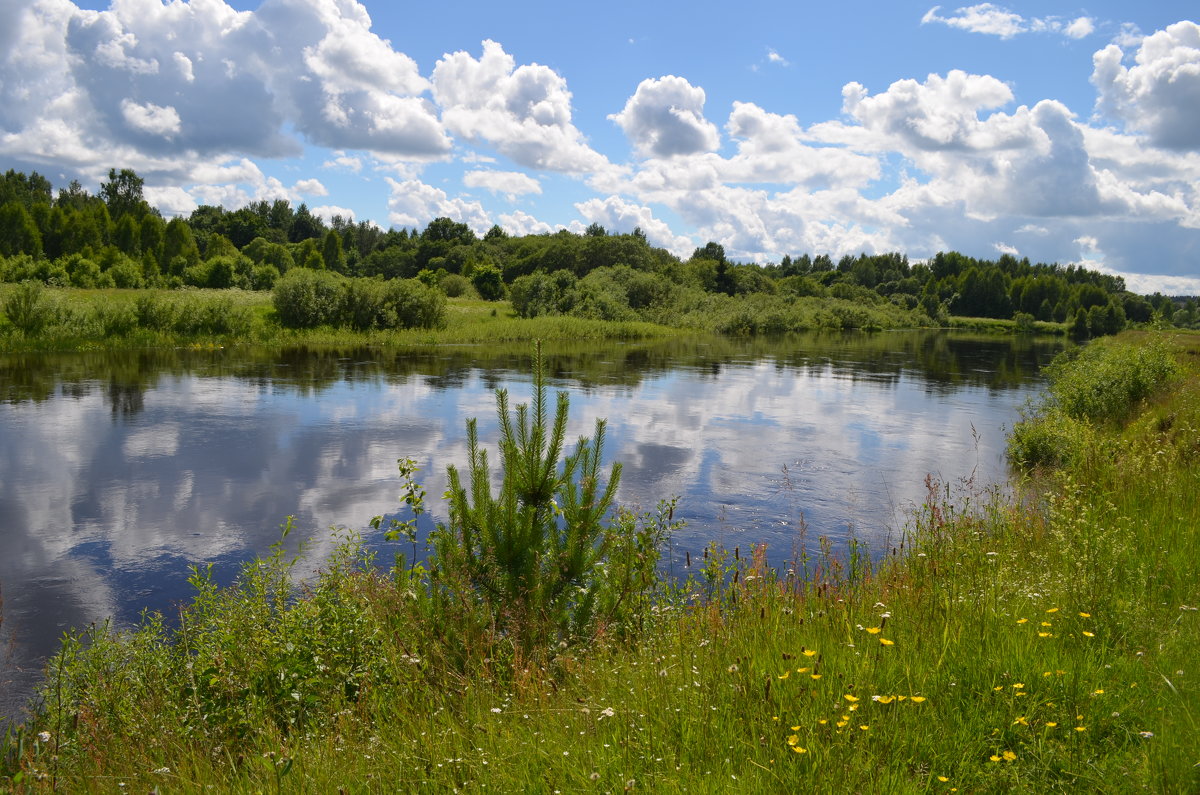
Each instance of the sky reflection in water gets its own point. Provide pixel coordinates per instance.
(117, 471)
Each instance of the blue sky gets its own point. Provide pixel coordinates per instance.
(1055, 131)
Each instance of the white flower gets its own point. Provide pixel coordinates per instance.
(44, 736)
(497, 710)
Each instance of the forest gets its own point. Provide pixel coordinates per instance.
(115, 239)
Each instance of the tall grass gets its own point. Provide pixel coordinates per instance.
(1041, 643)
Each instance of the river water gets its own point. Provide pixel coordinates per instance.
(119, 470)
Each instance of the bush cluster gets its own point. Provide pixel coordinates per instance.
(306, 298)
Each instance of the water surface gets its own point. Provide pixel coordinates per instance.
(119, 470)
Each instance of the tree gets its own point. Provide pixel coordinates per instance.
(331, 252)
(18, 233)
(123, 193)
(179, 247)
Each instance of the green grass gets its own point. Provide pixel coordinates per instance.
(1041, 642)
(107, 319)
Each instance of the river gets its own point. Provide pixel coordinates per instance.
(119, 470)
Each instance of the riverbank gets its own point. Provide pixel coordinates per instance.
(71, 319)
(1035, 645)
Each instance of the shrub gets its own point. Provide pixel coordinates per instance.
(488, 282)
(154, 313)
(306, 298)
(29, 308)
(455, 285)
(416, 305)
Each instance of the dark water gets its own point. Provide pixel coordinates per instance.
(117, 471)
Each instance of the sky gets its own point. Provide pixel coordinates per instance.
(1060, 132)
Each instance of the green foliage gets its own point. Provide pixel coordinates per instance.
(539, 562)
(29, 308)
(488, 282)
(1099, 384)
(306, 298)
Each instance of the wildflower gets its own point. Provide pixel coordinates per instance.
(853, 707)
(1045, 635)
(874, 630)
(607, 712)
(822, 721)
(1052, 610)
(799, 750)
(785, 674)
(850, 698)
(886, 642)
(883, 699)
(864, 727)
(732, 669)
(1009, 756)
(1097, 692)
(810, 653)
(815, 676)
(803, 670)
(1080, 728)
(901, 698)
(918, 699)
(1050, 724)
(1022, 620)
(793, 739)
(994, 758)
(841, 724)
(1018, 685)
(1087, 634)
(497, 710)
(998, 688)
(1085, 615)
(942, 779)
(1021, 720)
(1145, 735)
(44, 736)
(1047, 624)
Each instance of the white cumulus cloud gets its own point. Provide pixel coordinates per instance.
(522, 111)
(1159, 94)
(665, 117)
(994, 20)
(150, 118)
(508, 183)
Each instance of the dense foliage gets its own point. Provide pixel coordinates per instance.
(115, 239)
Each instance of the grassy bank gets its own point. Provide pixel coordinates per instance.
(77, 319)
(1039, 643)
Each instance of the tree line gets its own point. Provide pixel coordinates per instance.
(116, 239)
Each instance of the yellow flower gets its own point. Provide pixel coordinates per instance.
(1009, 756)
(799, 750)
(850, 698)
(884, 699)
(918, 699)
(1080, 728)
(1050, 724)
(1045, 635)
(1021, 720)
(887, 642)
(795, 728)
(1097, 692)
(786, 674)
(942, 779)
(901, 698)
(1018, 685)
(874, 630)
(802, 670)
(815, 676)
(864, 727)
(994, 758)
(1022, 620)
(842, 724)
(793, 739)
(998, 687)
(1047, 624)
(1052, 610)
(1085, 615)
(853, 707)
(822, 721)
(1087, 634)
(810, 653)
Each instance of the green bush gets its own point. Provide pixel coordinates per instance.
(306, 298)
(29, 308)
(415, 304)
(455, 285)
(488, 282)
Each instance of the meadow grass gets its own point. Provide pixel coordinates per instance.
(1040, 641)
(78, 319)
